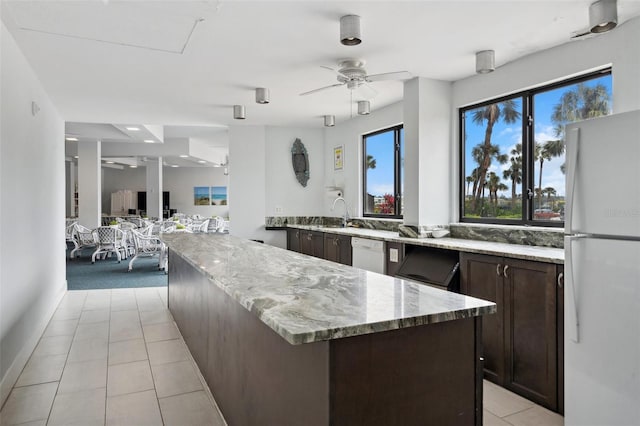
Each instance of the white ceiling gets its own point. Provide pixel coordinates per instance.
(185, 63)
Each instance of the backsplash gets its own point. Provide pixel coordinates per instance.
(509, 234)
(281, 222)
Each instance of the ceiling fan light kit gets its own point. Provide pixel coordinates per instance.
(238, 112)
(603, 16)
(350, 30)
(262, 95)
(485, 61)
(364, 108)
(329, 120)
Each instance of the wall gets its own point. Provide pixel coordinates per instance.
(349, 134)
(32, 181)
(619, 48)
(178, 181)
(283, 191)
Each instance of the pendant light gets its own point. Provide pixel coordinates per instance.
(329, 120)
(485, 61)
(603, 16)
(238, 112)
(350, 30)
(364, 108)
(262, 95)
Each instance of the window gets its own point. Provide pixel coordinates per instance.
(383, 173)
(515, 145)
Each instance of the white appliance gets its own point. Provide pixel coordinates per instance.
(367, 254)
(602, 272)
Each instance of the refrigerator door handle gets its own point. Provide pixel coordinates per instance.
(571, 304)
(573, 137)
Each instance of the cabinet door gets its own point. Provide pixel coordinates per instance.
(481, 277)
(344, 247)
(293, 239)
(331, 248)
(530, 330)
(560, 331)
(312, 243)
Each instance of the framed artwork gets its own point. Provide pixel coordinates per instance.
(201, 196)
(338, 157)
(218, 195)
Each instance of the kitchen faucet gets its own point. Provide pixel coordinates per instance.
(346, 210)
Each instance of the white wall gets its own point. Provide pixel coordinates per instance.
(178, 181)
(32, 181)
(282, 188)
(349, 134)
(619, 48)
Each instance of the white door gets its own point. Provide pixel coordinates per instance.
(603, 175)
(602, 370)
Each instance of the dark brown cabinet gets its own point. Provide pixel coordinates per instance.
(312, 243)
(337, 248)
(521, 339)
(560, 331)
(293, 239)
(394, 255)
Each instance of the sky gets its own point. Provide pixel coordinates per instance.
(507, 136)
(380, 179)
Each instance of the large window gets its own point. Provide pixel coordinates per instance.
(383, 173)
(513, 150)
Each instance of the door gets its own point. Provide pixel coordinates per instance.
(337, 248)
(293, 239)
(312, 243)
(530, 330)
(602, 332)
(560, 335)
(481, 277)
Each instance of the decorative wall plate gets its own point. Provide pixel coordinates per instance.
(300, 160)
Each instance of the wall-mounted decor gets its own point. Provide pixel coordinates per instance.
(201, 196)
(300, 160)
(338, 157)
(218, 195)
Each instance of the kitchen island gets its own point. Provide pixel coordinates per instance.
(286, 339)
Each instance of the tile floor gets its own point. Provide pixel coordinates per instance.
(111, 357)
(115, 357)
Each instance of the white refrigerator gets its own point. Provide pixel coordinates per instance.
(602, 272)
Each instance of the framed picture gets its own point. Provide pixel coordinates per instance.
(201, 196)
(218, 195)
(338, 157)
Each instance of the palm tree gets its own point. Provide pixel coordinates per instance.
(492, 113)
(484, 154)
(514, 172)
(580, 103)
(549, 190)
(469, 180)
(547, 151)
(371, 162)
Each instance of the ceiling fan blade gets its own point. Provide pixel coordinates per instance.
(396, 75)
(334, 71)
(320, 89)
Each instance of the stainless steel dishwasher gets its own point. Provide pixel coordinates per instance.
(368, 254)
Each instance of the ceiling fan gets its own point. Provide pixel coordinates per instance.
(351, 73)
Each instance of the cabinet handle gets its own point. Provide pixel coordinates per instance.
(498, 269)
(309, 236)
(506, 268)
(297, 234)
(561, 280)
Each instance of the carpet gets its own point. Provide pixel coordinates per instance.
(108, 273)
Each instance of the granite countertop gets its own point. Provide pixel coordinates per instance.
(305, 299)
(517, 251)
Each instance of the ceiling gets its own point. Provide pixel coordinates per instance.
(186, 63)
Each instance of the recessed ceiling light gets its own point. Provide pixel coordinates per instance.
(184, 156)
(149, 141)
(174, 165)
(201, 161)
(110, 162)
(132, 128)
(75, 156)
(70, 139)
(133, 167)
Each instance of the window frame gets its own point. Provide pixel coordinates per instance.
(396, 172)
(528, 147)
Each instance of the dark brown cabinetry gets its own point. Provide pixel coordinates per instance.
(521, 339)
(293, 239)
(337, 248)
(312, 243)
(394, 255)
(560, 331)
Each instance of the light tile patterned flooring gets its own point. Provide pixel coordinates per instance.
(111, 357)
(115, 357)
